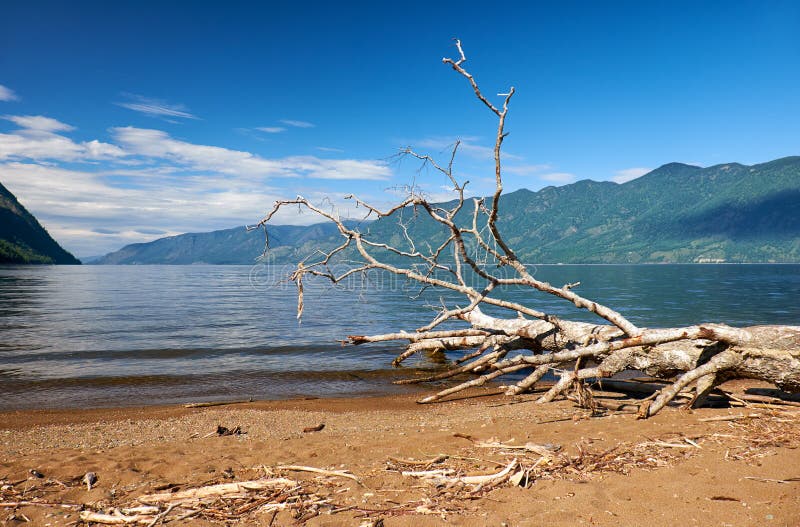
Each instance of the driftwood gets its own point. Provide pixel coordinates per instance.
(195, 501)
(413, 462)
(116, 519)
(542, 450)
(473, 260)
(445, 477)
(428, 474)
(197, 495)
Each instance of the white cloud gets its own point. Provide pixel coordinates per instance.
(271, 129)
(298, 124)
(151, 184)
(99, 150)
(38, 123)
(629, 174)
(329, 149)
(91, 213)
(525, 170)
(7, 94)
(36, 139)
(159, 144)
(98, 212)
(156, 107)
(340, 168)
(561, 178)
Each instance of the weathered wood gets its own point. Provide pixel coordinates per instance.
(115, 519)
(713, 352)
(214, 491)
(471, 262)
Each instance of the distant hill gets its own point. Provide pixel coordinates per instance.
(23, 240)
(676, 213)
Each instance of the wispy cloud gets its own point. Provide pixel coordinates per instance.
(469, 146)
(297, 124)
(561, 178)
(629, 174)
(329, 149)
(155, 107)
(7, 94)
(271, 129)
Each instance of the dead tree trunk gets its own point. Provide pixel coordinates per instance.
(701, 356)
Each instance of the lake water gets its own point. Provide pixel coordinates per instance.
(92, 336)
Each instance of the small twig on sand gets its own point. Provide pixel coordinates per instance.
(162, 515)
(15, 504)
(770, 480)
(669, 445)
(337, 473)
(317, 428)
(427, 462)
(215, 403)
(729, 418)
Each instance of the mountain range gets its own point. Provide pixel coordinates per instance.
(23, 240)
(676, 213)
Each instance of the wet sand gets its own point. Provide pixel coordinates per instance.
(612, 470)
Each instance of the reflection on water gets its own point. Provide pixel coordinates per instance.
(115, 335)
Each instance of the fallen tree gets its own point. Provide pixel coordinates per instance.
(474, 251)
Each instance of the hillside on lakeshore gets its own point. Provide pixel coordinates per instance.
(23, 240)
(676, 213)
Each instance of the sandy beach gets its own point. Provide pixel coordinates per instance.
(724, 467)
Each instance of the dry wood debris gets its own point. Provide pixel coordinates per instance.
(449, 481)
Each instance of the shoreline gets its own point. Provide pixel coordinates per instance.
(703, 467)
(24, 418)
(108, 405)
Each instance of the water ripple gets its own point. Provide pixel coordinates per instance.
(108, 335)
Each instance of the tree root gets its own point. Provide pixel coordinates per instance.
(703, 355)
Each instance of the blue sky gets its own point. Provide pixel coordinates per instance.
(123, 122)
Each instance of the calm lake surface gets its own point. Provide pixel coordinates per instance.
(92, 336)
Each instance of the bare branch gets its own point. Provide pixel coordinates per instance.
(463, 258)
